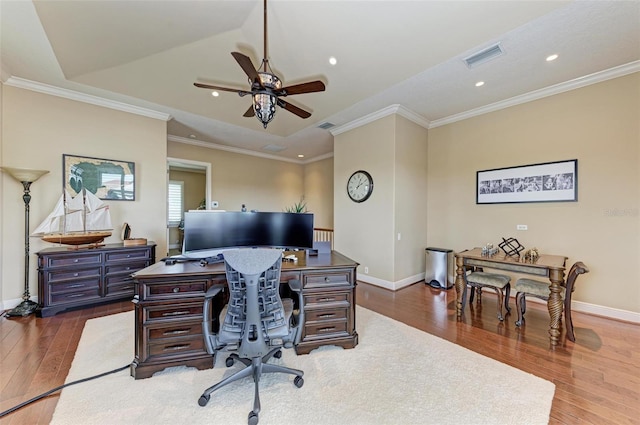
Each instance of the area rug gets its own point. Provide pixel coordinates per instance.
(396, 375)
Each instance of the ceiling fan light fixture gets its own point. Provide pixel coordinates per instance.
(264, 106)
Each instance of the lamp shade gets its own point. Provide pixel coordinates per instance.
(24, 174)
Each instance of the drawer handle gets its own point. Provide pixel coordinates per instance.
(327, 329)
(128, 268)
(76, 275)
(128, 255)
(177, 332)
(175, 313)
(176, 347)
(75, 295)
(326, 279)
(76, 285)
(76, 260)
(326, 316)
(176, 290)
(326, 299)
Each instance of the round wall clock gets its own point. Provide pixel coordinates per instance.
(360, 186)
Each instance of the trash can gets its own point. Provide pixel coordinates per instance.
(438, 272)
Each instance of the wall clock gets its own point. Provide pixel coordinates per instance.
(360, 186)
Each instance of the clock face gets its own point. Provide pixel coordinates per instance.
(360, 186)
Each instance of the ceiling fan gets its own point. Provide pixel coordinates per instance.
(266, 88)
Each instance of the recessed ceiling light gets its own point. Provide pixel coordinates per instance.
(480, 84)
(300, 156)
(333, 60)
(552, 58)
(215, 94)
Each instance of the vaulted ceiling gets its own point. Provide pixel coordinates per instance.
(404, 53)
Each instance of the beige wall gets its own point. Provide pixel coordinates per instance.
(263, 184)
(600, 126)
(394, 151)
(36, 130)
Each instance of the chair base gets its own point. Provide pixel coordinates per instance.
(254, 367)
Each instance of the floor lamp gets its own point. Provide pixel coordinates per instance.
(26, 177)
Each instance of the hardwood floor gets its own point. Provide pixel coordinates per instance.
(597, 378)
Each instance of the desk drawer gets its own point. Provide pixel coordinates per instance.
(320, 330)
(177, 347)
(334, 279)
(167, 312)
(175, 290)
(189, 329)
(326, 314)
(326, 298)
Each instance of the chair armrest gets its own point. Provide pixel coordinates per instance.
(295, 285)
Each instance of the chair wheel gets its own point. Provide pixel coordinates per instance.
(277, 354)
(298, 382)
(229, 362)
(253, 418)
(203, 400)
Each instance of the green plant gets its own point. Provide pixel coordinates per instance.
(298, 207)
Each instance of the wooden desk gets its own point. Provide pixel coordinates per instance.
(549, 266)
(169, 302)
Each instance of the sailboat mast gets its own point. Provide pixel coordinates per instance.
(84, 210)
(65, 208)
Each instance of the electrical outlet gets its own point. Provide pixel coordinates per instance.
(366, 270)
(214, 204)
(521, 227)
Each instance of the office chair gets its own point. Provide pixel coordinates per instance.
(477, 280)
(257, 322)
(541, 290)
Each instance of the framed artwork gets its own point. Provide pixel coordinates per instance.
(106, 178)
(546, 182)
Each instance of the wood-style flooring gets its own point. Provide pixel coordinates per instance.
(597, 378)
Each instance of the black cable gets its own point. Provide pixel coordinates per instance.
(21, 405)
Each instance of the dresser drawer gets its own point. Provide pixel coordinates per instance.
(74, 274)
(171, 290)
(177, 347)
(72, 260)
(178, 311)
(120, 289)
(341, 278)
(91, 283)
(326, 298)
(139, 254)
(126, 268)
(326, 314)
(188, 329)
(74, 296)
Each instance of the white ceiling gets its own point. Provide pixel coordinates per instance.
(148, 53)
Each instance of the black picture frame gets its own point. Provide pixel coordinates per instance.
(545, 182)
(108, 179)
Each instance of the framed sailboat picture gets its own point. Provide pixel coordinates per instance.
(106, 178)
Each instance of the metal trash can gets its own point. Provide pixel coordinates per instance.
(438, 272)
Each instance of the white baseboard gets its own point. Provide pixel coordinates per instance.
(578, 306)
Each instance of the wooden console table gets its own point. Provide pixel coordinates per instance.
(549, 266)
(73, 278)
(169, 301)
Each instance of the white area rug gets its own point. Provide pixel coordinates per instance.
(396, 375)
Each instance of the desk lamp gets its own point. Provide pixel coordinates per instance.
(26, 177)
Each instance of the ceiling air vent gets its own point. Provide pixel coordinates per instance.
(274, 148)
(484, 55)
(326, 125)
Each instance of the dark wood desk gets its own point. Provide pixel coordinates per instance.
(169, 302)
(549, 266)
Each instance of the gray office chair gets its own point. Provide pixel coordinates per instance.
(257, 321)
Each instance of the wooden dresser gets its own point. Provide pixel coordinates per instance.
(169, 302)
(72, 278)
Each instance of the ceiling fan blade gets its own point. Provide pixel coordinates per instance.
(250, 112)
(247, 66)
(310, 87)
(293, 109)
(210, 87)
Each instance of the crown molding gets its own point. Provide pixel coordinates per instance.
(86, 98)
(587, 80)
(374, 116)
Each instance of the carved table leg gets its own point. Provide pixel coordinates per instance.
(554, 304)
(460, 286)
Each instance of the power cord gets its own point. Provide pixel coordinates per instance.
(43, 395)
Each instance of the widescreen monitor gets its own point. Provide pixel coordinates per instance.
(208, 233)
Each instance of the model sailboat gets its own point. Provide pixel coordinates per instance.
(81, 220)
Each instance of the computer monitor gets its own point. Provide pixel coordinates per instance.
(208, 233)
